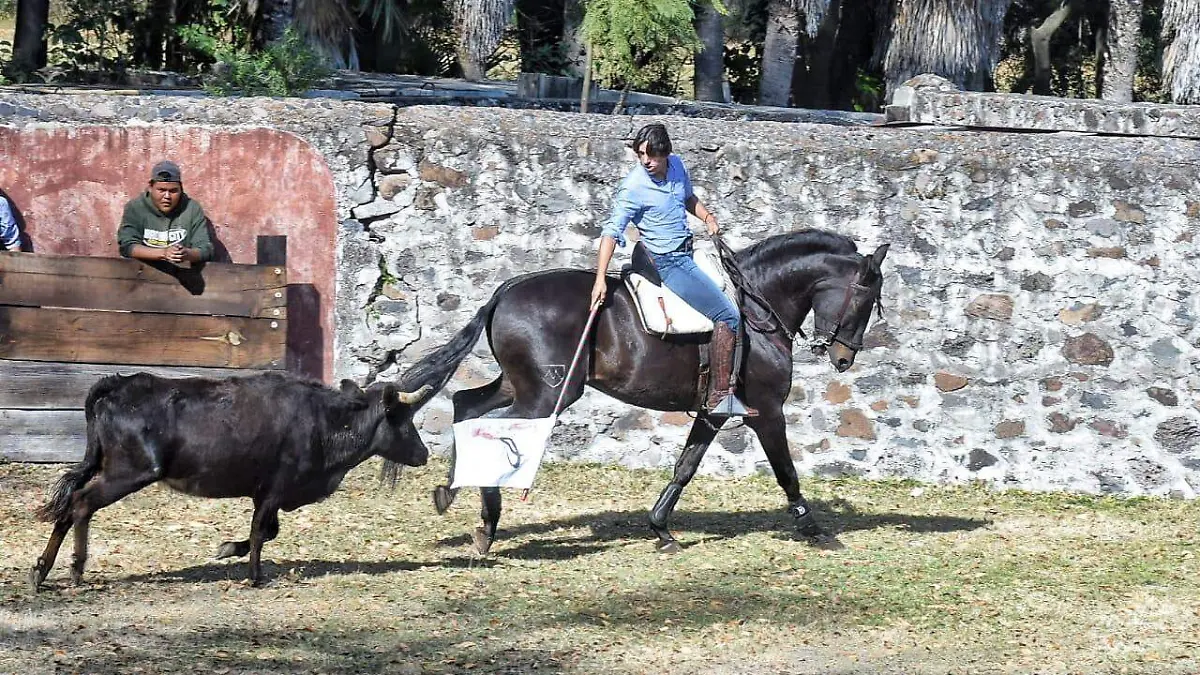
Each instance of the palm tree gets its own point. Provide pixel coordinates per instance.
(710, 59)
(779, 47)
(1181, 60)
(957, 39)
(480, 25)
(29, 39)
(1121, 50)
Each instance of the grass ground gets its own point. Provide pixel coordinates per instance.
(932, 580)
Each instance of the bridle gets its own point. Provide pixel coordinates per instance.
(822, 339)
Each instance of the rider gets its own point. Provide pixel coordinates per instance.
(656, 197)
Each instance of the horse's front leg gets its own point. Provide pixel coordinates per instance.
(772, 433)
(704, 429)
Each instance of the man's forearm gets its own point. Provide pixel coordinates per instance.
(607, 246)
(143, 252)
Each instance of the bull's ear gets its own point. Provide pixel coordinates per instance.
(350, 388)
(391, 397)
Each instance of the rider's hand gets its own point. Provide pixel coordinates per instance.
(713, 227)
(599, 290)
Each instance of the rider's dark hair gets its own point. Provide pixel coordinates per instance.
(658, 143)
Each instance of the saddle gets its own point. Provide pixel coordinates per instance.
(662, 312)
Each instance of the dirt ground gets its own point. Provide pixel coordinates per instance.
(932, 580)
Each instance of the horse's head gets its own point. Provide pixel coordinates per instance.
(842, 307)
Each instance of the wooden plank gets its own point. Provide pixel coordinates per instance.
(81, 336)
(50, 385)
(217, 277)
(44, 290)
(42, 435)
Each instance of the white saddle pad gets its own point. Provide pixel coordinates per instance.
(663, 312)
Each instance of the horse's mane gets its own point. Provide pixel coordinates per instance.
(807, 241)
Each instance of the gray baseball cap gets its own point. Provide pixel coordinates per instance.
(165, 171)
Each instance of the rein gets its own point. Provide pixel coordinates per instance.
(764, 324)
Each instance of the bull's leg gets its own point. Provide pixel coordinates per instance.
(490, 514)
(46, 560)
(772, 433)
(263, 515)
(704, 429)
(237, 549)
(469, 404)
(102, 491)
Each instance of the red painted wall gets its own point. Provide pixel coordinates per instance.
(70, 185)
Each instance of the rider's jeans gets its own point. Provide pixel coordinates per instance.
(680, 273)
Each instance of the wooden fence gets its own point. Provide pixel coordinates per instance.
(66, 321)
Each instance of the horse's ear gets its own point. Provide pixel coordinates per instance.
(350, 388)
(879, 254)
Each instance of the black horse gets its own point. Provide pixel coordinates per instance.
(535, 320)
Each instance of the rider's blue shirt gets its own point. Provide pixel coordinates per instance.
(657, 208)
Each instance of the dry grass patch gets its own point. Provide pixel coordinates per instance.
(939, 580)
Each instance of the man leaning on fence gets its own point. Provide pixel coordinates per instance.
(163, 223)
(10, 234)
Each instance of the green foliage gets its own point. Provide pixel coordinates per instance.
(869, 91)
(743, 68)
(287, 67)
(634, 41)
(93, 40)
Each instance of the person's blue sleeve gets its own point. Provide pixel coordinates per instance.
(10, 236)
(625, 209)
(687, 180)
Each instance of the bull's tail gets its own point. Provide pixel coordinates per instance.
(58, 508)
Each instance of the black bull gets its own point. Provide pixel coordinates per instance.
(535, 320)
(282, 441)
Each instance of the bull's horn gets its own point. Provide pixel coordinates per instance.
(408, 399)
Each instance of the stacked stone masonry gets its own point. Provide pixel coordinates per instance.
(1040, 297)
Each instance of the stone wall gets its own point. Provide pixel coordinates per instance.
(1039, 329)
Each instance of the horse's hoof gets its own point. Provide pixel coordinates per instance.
(443, 497)
(668, 547)
(483, 543)
(36, 577)
(231, 549)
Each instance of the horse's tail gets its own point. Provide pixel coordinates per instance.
(435, 368)
(58, 508)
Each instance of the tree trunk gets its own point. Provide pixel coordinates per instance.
(812, 83)
(480, 26)
(587, 78)
(1039, 40)
(572, 42)
(29, 38)
(710, 60)
(1181, 59)
(277, 15)
(779, 53)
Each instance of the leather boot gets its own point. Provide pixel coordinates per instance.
(721, 360)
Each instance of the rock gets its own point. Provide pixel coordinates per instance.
(980, 459)
(376, 137)
(1087, 349)
(1109, 428)
(1079, 313)
(1009, 429)
(911, 401)
(1051, 384)
(836, 392)
(879, 406)
(485, 233)
(1060, 423)
(1037, 282)
(991, 306)
(376, 209)
(1096, 400)
(1106, 252)
(448, 301)
(1163, 395)
(1080, 209)
(855, 424)
(391, 184)
(949, 382)
(1129, 213)
(444, 176)
(676, 419)
(1178, 434)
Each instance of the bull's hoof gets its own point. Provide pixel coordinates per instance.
(233, 549)
(443, 497)
(483, 543)
(76, 577)
(668, 547)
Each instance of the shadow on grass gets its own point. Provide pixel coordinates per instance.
(610, 527)
(296, 570)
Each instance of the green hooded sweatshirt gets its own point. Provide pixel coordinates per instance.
(144, 224)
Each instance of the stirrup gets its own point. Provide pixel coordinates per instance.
(731, 406)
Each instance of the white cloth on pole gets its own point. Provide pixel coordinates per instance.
(499, 452)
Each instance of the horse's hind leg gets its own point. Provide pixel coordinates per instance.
(704, 429)
(469, 404)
